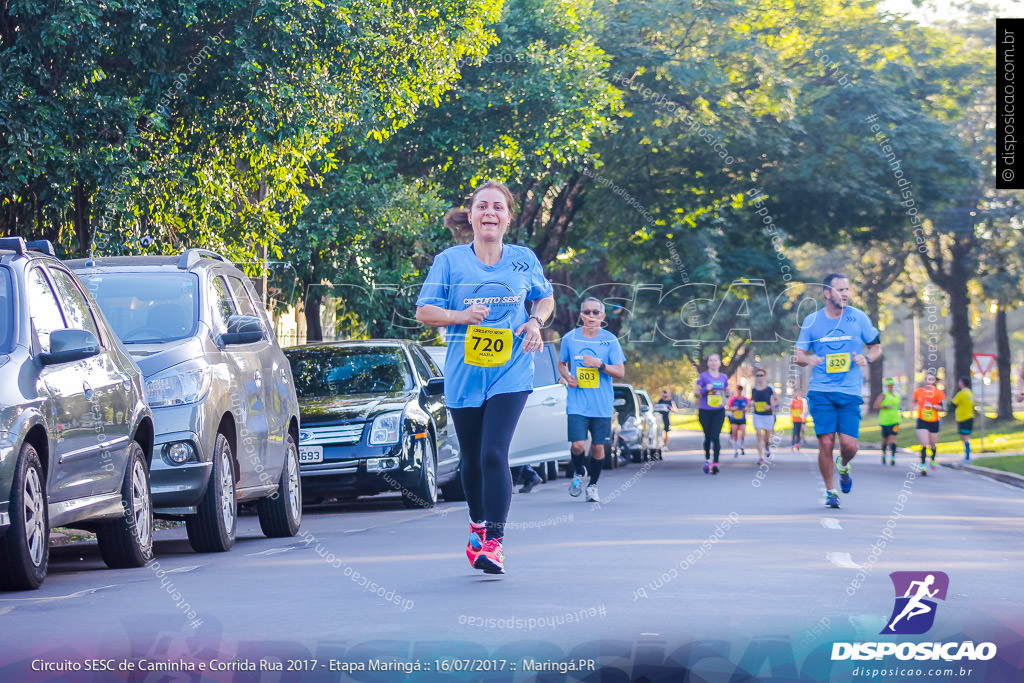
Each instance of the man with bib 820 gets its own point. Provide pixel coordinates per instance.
(831, 342)
(588, 360)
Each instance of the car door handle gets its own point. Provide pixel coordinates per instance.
(87, 388)
(549, 401)
(257, 378)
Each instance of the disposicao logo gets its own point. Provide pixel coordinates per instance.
(914, 611)
(913, 614)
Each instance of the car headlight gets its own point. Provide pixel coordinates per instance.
(180, 385)
(385, 429)
(629, 425)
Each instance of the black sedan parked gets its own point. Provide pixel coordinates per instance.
(372, 419)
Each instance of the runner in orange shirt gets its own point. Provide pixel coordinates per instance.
(798, 409)
(929, 400)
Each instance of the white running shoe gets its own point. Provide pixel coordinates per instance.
(592, 494)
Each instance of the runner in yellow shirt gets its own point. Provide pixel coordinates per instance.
(964, 402)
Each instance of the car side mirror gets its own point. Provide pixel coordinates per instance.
(645, 409)
(619, 402)
(434, 387)
(242, 329)
(70, 345)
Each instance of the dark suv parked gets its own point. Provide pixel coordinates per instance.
(224, 406)
(76, 436)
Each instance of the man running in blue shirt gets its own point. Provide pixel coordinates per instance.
(831, 342)
(589, 359)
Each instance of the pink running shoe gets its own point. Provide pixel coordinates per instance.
(491, 558)
(477, 536)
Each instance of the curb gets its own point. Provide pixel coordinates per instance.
(999, 475)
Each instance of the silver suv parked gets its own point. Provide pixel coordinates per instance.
(221, 390)
(76, 437)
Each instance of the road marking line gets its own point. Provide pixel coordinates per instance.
(271, 551)
(76, 594)
(830, 523)
(842, 560)
(182, 570)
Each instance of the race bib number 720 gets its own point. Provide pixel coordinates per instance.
(488, 347)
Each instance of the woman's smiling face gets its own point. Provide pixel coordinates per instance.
(489, 215)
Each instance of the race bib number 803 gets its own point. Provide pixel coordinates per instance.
(587, 378)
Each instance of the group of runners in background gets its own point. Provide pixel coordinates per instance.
(493, 299)
(763, 404)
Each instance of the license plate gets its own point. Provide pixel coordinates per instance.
(310, 454)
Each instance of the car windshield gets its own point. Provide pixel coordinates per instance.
(146, 307)
(347, 370)
(6, 310)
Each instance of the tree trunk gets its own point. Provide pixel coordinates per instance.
(311, 309)
(911, 352)
(80, 217)
(874, 369)
(1003, 363)
(960, 330)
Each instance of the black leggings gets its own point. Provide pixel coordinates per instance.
(484, 437)
(711, 422)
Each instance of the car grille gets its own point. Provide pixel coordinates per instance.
(349, 466)
(331, 436)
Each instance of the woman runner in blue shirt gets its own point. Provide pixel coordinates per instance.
(478, 291)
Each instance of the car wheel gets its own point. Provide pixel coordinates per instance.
(212, 528)
(281, 513)
(25, 549)
(128, 540)
(424, 494)
(453, 491)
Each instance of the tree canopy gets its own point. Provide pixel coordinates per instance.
(669, 157)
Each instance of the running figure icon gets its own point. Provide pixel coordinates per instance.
(914, 606)
(917, 596)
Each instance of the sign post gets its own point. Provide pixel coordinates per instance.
(983, 362)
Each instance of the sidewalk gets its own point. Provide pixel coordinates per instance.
(999, 475)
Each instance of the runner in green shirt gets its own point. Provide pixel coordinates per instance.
(888, 406)
(964, 402)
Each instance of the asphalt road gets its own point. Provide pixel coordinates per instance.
(741, 573)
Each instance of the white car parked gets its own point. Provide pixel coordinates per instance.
(541, 437)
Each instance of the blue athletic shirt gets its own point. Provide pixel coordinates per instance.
(824, 336)
(605, 347)
(456, 281)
